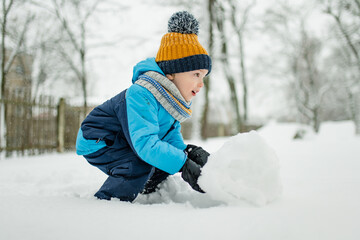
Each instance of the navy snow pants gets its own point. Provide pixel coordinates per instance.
(128, 175)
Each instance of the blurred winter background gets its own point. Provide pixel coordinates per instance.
(288, 69)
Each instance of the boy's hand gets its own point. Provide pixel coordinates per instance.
(190, 172)
(197, 154)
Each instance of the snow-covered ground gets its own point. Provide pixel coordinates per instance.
(51, 197)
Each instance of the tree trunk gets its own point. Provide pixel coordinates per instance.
(354, 105)
(243, 79)
(357, 116)
(220, 20)
(5, 12)
(204, 116)
(239, 28)
(316, 121)
(348, 41)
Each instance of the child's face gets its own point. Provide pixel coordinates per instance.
(188, 83)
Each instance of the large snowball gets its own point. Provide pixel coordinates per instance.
(244, 168)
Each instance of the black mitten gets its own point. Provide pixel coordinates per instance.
(190, 172)
(197, 154)
(152, 184)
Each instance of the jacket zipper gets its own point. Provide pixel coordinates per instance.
(171, 128)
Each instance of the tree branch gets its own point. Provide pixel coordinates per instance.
(7, 9)
(338, 21)
(91, 10)
(70, 62)
(15, 50)
(65, 25)
(357, 2)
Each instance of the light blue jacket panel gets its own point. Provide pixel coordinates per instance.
(149, 125)
(87, 146)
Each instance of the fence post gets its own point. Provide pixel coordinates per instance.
(61, 125)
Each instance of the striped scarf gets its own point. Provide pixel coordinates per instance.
(167, 94)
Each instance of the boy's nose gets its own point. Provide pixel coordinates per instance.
(201, 83)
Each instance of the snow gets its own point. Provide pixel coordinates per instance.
(51, 196)
(245, 168)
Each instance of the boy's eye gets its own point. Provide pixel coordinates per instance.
(197, 74)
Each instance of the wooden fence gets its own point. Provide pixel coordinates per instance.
(35, 127)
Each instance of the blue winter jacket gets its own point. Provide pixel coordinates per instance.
(135, 119)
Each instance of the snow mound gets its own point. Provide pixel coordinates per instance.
(337, 130)
(245, 168)
(285, 131)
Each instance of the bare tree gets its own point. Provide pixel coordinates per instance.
(309, 84)
(224, 58)
(6, 8)
(77, 37)
(73, 17)
(48, 65)
(16, 37)
(227, 15)
(207, 81)
(346, 15)
(239, 21)
(302, 53)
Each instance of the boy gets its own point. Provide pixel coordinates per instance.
(135, 136)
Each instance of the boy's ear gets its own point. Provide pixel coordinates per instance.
(170, 76)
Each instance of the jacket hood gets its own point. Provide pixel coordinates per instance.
(144, 66)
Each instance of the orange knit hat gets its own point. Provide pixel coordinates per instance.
(180, 50)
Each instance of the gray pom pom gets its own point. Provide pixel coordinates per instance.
(183, 22)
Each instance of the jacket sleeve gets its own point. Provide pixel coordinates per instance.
(143, 124)
(175, 137)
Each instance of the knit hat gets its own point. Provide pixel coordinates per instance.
(180, 50)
